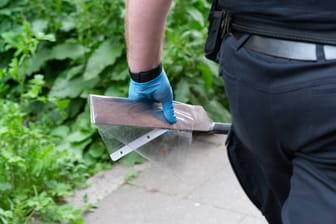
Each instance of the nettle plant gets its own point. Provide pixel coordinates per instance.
(34, 175)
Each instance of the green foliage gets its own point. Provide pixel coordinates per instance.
(53, 55)
(34, 177)
(194, 78)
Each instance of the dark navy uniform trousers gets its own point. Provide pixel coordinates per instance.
(282, 145)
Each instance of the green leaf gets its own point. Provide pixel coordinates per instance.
(39, 26)
(68, 23)
(39, 59)
(96, 150)
(77, 136)
(120, 72)
(120, 75)
(64, 88)
(3, 130)
(60, 131)
(74, 71)
(4, 215)
(218, 112)
(182, 91)
(11, 39)
(212, 65)
(197, 16)
(83, 122)
(120, 91)
(74, 107)
(3, 3)
(5, 186)
(206, 75)
(68, 50)
(59, 189)
(103, 56)
(78, 147)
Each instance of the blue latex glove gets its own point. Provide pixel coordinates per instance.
(158, 90)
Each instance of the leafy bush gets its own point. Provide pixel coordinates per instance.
(34, 176)
(194, 78)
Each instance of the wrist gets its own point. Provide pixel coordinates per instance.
(146, 76)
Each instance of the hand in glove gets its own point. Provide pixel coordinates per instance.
(156, 89)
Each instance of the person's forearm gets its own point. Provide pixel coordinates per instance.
(145, 22)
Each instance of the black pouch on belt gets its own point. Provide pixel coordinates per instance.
(213, 40)
(218, 26)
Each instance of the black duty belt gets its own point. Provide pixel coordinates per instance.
(252, 27)
(272, 40)
(282, 42)
(296, 50)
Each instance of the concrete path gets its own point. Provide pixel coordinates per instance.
(200, 190)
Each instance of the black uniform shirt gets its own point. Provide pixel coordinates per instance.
(298, 14)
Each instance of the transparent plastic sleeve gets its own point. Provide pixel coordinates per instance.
(125, 112)
(126, 125)
(168, 150)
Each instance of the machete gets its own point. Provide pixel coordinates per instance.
(117, 111)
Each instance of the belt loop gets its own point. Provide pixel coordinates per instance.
(242, 40)
(226, 23)
(320, 52)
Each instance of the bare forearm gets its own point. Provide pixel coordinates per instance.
(145, 22)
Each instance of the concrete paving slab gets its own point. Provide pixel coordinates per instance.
(103, 184)
(253, 220)
(136, 205)
(201, 190)
(224, 191)
(195, 169)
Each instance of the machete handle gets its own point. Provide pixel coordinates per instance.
(220, 128)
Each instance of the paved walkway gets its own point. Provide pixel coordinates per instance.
(200, 190)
